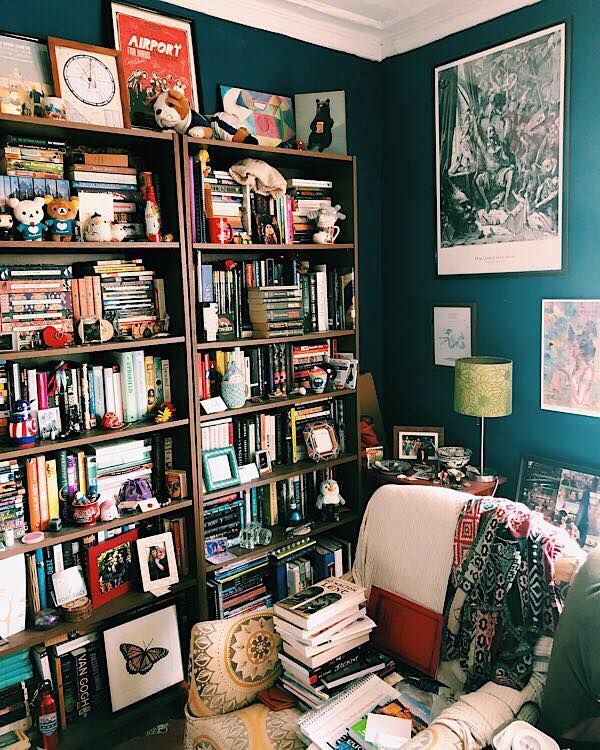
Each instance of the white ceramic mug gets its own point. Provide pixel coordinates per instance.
(326, 235)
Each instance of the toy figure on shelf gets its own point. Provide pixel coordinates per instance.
(6, 227)
(97, 229)
(62, 213)
(110, 421)
(330, 500)
(22, 426)
(30, 215)
(151, 210)
(326, 217)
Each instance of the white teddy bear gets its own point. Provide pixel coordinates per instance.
(30, 215)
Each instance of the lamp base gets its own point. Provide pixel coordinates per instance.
(486, 475)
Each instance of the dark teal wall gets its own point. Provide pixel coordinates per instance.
(233, 54)
(508, 308)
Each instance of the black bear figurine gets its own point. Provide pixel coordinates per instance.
(320, 128)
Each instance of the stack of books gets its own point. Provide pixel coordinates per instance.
(225, 517)
(119, 462)
(12, 498)
(275, 311)
(318, 626)
(225, 199)
(239, 587)
(177, 526)
(32, 157)
(16, 691)
(33, 297)
(307, 196)
(127, 294)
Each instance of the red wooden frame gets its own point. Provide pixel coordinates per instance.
(99, 597)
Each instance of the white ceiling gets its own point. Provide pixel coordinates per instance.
(374, 29)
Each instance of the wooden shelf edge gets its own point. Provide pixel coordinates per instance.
(299, 247)
(110, 346)
(69, 533)
(77, 247)
(282, 472)
(91, 437)
(58, 125)
(315, 336)
(290, 152)
(129, 601)
(276, 403)
(319, 527)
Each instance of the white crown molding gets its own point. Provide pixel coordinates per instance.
(317, 22)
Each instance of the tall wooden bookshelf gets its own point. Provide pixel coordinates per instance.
(341, 169)
(160, 153)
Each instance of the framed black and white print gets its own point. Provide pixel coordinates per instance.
(453, 332)
(500, 158)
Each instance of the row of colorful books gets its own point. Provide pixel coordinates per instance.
(17, 686)
(268, 505)
(26, 157)
(280, 432)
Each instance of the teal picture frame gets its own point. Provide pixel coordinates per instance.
(212, 465)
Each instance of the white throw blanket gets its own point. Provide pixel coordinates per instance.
(406, 542)
(262, 177)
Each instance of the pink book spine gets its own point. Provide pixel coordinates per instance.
(42, 389)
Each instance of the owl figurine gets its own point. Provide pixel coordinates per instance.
(329, 500)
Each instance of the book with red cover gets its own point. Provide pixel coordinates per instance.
(409, 632)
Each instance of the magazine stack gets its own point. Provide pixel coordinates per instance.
(325, 632)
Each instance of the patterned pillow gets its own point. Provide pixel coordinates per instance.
(231, 661)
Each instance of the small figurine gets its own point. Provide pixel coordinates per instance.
(117, 232)
(30, 215)
(108, 510)
(421, 455)
(97, 229)
(62, 219)
(21, 426)
(318, 379)
(330, 500)
(6, 225)
(443, 478)
(165, 413)
(110, 421)
(55, 339)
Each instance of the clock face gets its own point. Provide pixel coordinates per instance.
(89, 80)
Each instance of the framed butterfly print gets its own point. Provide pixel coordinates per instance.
(111, 567)
(143, 657)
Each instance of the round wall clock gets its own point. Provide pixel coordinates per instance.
(90, 80)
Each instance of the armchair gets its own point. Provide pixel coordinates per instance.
(230, 662)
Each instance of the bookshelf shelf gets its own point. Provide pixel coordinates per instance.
(79, 247)
(111, 346)
(125, 603)
(99, 435)
(69, 533)
(268, 152)
(284, 472)
(42, 127)
(271, 249)
(280, 539)
(316, 336)
(276, 403)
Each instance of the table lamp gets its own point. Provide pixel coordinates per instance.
(483, 388)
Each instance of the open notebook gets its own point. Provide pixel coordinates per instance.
(326, 725)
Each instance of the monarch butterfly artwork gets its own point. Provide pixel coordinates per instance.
(140, 660)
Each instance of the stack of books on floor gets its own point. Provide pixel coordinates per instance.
(320, 626)
(16, 691)
(275, 311)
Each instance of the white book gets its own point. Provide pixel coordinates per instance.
(322, 305)
(349, 633)
(316, 661)
(99, 392)
(57, 554)
(128, 457)
(83, 175)
(68, 646)
(139, 381)
(118, 391)
(333, 596)
(320, 636)
(109, 390)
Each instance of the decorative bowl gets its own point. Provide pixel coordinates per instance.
(454, 456)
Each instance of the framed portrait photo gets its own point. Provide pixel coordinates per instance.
(570, 366)
(453, 332)
(158, 564)
(111, 567)
(566, 494)
(408, 440)
(25, 75)
(501, 147)
(158, 54)
(220, 468)
(90, 80)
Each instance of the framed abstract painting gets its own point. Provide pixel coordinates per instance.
(570, 360)
(268, 117)
(501, 146)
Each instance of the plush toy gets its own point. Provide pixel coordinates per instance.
(172, 111)
(226, 127)
(321, 127)
(62, 214)
(97, 229)
(6, 225)
(330, 500)
(30, 215)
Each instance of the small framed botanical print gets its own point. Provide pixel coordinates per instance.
(91, 82)
(453, 332)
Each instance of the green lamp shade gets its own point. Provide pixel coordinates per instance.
(483, 386)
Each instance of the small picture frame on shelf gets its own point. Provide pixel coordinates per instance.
(111, 567)
(158, 564)
(408, 440)
(263, 462)
(453, 332)
(49, 423)
(220, 468)
(321, 441)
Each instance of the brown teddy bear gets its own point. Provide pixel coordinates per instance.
(62, 213)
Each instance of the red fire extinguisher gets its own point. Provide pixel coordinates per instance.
(47, 717)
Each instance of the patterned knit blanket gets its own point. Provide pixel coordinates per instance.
(502, 596)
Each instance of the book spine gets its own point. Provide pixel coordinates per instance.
(82, 682)
(91, 472)
(158, 381)
(166, 377)
(91, 398)
(97, 372)
(43, 493)
(109, 390)
(52, 488)
(41, 576)
(128, 386)
(33, 495)
(62, 477)
(149, 378)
